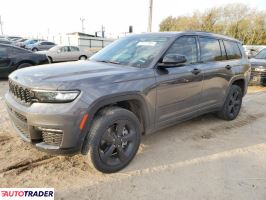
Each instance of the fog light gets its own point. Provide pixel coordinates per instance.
(51, 136)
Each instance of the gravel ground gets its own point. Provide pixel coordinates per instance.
(204, 158)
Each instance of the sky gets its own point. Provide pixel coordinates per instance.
(43, 17)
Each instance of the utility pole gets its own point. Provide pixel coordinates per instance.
(150, 16)
(1, 25)
(103, 31)
(82, 25)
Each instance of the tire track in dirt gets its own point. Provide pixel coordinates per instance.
(238, 123)
(4, 138)
(29, 164)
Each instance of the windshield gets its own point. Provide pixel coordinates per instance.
(136, 51)
(55, 48)
(261, 54)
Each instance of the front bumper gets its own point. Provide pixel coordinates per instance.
(49, 127)
(258, 78)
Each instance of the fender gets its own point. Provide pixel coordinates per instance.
(235, 78)
(112, 99)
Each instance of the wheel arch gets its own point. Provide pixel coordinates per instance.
(241, 82)
(25, 61)
(132, 102)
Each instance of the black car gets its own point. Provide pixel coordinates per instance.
(258, 69)
(12, 58)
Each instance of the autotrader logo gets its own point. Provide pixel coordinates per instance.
(27, 193)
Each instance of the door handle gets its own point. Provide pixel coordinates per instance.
(195, 71)
(228, 67)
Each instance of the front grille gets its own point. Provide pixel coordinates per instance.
(22, 94)
(23, 131)
(51, 137)
(256, 73)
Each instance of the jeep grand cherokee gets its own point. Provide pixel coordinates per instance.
(134, 86)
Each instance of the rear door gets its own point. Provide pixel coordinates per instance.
(217, 71)
(75, 53)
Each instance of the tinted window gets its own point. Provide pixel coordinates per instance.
(210, 49)
(232, 50)
(186, 46)
(3, 52)
(49, 43)
(223, 50)
(74, 48)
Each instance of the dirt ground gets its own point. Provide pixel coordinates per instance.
(204, 158)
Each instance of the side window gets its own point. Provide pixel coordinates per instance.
(223, 50)
(74, 48)
(64, 49)
(210, 49)
(187, 46)
(232, 50)
(3, 52)
(49, 43)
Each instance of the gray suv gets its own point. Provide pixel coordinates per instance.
(133, 87)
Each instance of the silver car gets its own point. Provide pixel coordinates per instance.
(66, 53)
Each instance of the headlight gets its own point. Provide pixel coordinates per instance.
(260, 69)
(55, 96)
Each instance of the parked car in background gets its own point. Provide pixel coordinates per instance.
(66, 53)
(135, 86)
(258, 69)
(12, 58)
(13, 37)
(40, 46)
(20, 42)
(5, 41)
(28, 42)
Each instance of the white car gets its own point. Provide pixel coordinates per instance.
(65, 53)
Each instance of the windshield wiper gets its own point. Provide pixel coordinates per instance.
(108, 61)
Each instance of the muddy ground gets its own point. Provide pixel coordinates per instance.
(204, 158)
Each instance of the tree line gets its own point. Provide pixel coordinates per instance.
(236, 20)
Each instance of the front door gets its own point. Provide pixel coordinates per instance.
(179, 89)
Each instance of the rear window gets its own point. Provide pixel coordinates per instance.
(210, 49)
(232, 50)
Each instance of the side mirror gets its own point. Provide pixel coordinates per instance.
(173, 60)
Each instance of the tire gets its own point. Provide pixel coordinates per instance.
(232, 105)
(50, 59)
(83, 58)
(34, 49)
(23, 65)
(114, 139)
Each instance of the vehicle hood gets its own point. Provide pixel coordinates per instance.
(257, 62)
(71, 74)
